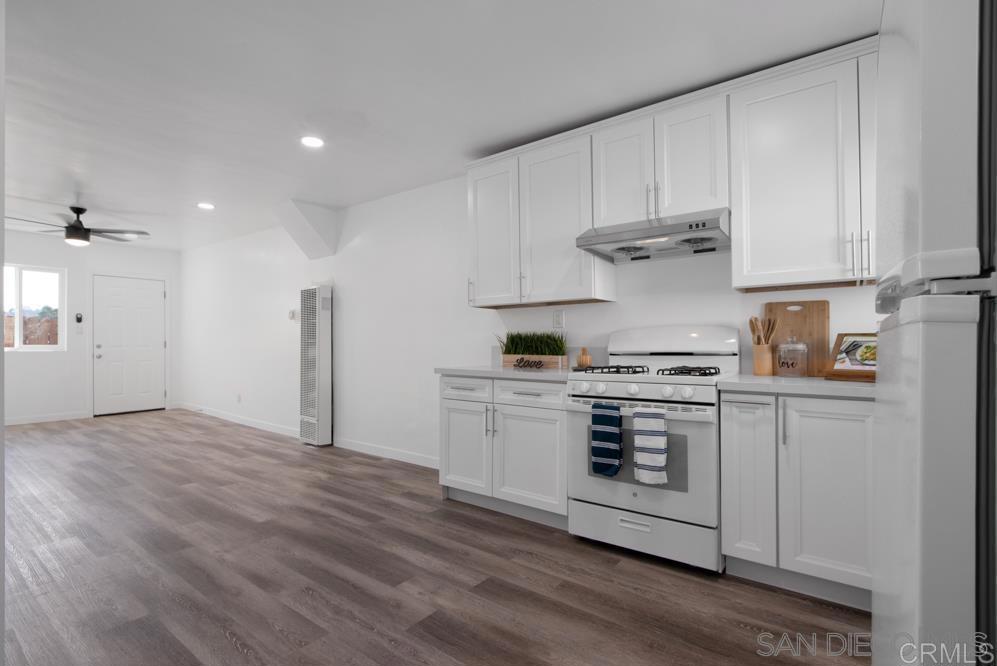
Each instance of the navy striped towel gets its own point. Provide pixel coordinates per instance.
(606, 445)
(650, 446)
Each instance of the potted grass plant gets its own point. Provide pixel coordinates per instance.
(534, 350)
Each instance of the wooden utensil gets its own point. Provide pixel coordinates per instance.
(807, 321)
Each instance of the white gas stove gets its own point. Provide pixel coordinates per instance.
(661, 363)
(676, 369)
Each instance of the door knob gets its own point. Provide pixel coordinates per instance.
(99, 356)
(98, 346)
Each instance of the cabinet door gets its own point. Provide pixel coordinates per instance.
(530, 447)
(623, 172)
(465, 446)
(868, 77)
(555, 186)
(747, 478)
(795, 215)
(493, 212)
(690, 157)
(825, 457)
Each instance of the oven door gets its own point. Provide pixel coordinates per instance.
(692, 492)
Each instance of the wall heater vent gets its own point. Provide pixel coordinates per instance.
(315, 422)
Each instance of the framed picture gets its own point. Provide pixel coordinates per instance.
(854, 357)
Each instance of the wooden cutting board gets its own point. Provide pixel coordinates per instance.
(809, 322)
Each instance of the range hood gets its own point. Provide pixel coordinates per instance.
(702, 232)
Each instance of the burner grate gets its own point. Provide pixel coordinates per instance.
(617, 370)
(691, 370)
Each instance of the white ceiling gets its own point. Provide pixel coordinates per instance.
(141, 109)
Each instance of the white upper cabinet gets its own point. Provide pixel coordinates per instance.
(623, 172)
(493, 211)
(825, 457)
(674, 162)
(795, 197)
(690, 157)
(555, 206)
(868, 79)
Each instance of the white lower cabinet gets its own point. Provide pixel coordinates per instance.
(529, 452)
(825, 454)
(747, 478)
(514, 452)
(465, 446)
(795, 484)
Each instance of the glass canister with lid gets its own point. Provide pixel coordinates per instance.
(792, 358)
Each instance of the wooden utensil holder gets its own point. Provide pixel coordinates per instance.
(762, 357)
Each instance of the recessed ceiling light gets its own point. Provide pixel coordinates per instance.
(206, 205)
(312, 142)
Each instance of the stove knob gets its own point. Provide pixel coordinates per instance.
(600, 388)
(633, 389)
(667, 391)
(583, 387)
(688, 392)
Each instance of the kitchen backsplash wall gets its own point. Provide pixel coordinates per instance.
(692, 290)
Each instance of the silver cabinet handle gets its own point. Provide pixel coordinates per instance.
(529, 394)
(868, 253)
(486, 420)
(470, 292)
(462, 388)
(785, 436)
(99, 356)
(851, 243)
(98, 346)
(494, 421)
(657, 192)
(647, 202)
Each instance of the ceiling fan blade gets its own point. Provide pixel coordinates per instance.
(21, 219)
(119, 231)
(108, 236)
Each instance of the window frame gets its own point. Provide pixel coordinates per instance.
(19, 345)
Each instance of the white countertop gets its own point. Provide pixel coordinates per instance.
(810, 386)
(493, 372)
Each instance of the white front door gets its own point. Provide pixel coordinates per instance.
(129, 345)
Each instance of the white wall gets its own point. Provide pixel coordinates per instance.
(240, 350)
(54, 385)
(400, 309)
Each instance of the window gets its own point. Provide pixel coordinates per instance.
(32, 298)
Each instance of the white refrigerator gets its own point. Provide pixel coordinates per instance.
(933, 519)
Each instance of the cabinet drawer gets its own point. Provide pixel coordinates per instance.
(665, 538)
(466, 388)
(530, 394)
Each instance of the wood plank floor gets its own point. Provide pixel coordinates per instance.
(175, 538)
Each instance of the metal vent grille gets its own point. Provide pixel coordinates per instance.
(309, 360)
(308, 431)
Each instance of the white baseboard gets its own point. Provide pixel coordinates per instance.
(45, 418)
(839, 593)
(382, 451)
(354, 445)
(241, 420)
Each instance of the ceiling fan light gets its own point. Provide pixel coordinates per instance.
(77, 236)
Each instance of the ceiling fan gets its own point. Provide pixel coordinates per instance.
(78, 235)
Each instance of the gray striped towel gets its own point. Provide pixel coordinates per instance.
(650, 446)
